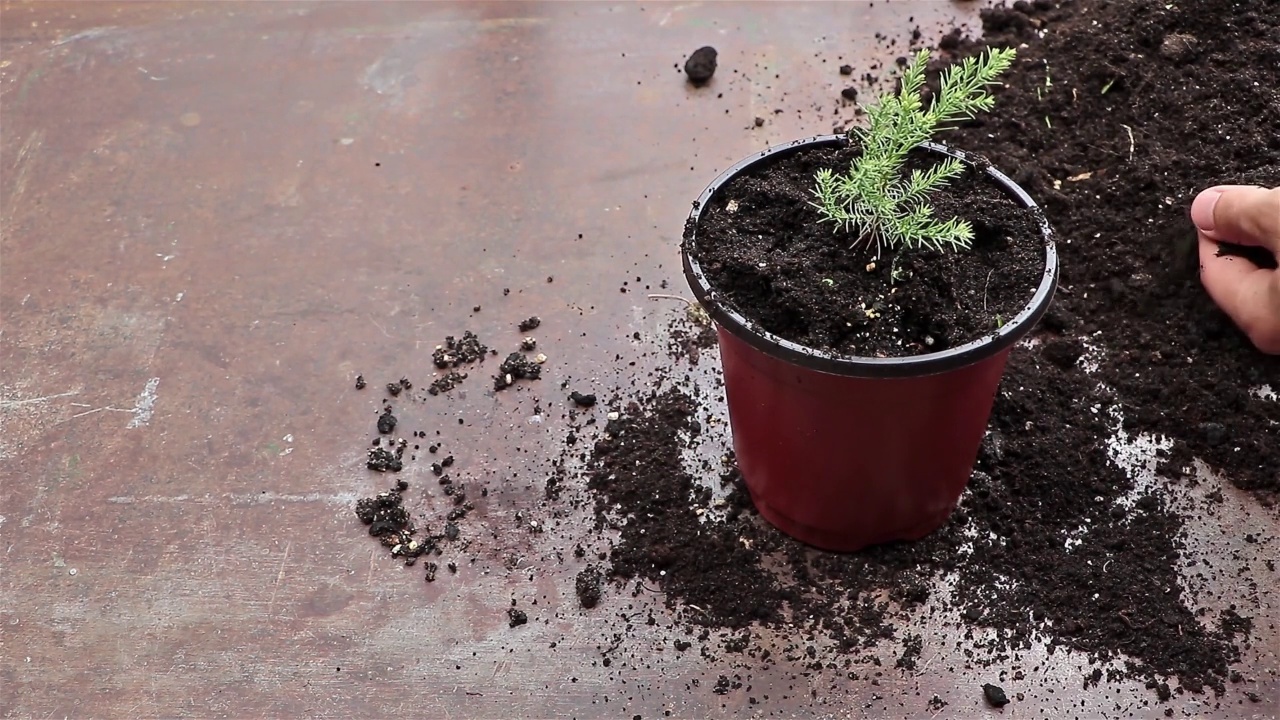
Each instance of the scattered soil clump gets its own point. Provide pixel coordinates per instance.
(516, 618)
(701, 65)
(516, 367)
(456, 352)
(590, 586)
(383, 460)
(446, 382)
(386, 421)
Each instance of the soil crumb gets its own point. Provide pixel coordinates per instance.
(701, 65)
(589, 585)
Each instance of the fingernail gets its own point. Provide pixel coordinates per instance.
(1202, 209)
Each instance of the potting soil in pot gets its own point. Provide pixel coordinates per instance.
(767, 254)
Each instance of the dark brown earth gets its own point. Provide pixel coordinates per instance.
(1155, 102)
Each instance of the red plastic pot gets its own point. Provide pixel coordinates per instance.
(846, 452)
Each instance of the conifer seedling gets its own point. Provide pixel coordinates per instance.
(875, 198)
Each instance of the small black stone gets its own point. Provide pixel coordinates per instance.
(846, 69)
(701, 65)
(849, 93)
(582, 400)
(360, 383)
(386, 422)
(995, 695)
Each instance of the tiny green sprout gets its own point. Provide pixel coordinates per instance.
(876, 197)
(1047, 123)
(1107, 88)
(829, 281)
(999, 321)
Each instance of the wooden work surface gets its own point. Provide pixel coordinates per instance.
(216, 215)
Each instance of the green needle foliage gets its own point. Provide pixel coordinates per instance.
(874, 197)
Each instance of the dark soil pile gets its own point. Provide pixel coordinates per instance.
(637, 464)
(767, 253)
(1112, 589)
(1115, 121)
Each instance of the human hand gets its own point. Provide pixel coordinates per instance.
(1249, 294)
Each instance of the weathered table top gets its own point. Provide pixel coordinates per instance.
(216, 215)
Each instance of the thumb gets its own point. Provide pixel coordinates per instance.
(1240, 214)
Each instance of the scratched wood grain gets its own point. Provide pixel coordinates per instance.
(215, 215)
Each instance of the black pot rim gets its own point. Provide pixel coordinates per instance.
(871, 367)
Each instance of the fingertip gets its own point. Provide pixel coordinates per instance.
(1203, 206)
